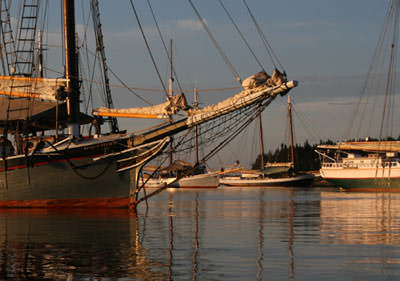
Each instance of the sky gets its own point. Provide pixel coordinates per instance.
(325, 45)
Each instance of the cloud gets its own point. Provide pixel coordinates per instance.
(190, 25)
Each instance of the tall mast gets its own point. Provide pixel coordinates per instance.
(196, 129)
(71, 69)
(291, 133)
(262, 166)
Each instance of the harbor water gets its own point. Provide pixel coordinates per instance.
(228, 233)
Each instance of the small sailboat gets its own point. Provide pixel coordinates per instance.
(272, 174)
(175, 176)
(371, 165)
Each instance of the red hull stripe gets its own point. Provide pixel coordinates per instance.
(68, 203)
(50, 162)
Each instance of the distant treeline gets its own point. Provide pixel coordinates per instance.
(305, 157)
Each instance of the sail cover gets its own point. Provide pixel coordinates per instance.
(262, 78)
(160, 111)
(30, 87)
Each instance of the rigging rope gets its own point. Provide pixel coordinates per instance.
(390, 76)
(376, 56)
(222, 54)
(267, 46)
(129, 88)
(163, 42)
(241, 35)
(380, 79)
(148, 49)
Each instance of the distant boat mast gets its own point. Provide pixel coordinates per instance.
(262, 166)
(170, 94)
(291, 132)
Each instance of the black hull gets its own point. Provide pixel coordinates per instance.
(69, 178)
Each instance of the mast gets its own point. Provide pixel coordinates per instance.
(196, 128)
(291, 132)
(170, 94)
(262, 166)
(100, 48)
(71, 69)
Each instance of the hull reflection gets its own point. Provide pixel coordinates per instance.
(54, 245)
(360, 218)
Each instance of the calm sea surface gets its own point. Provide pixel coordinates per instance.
(222, 234)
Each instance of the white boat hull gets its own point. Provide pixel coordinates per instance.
(210, 180)
(359, 172)
(288, 181)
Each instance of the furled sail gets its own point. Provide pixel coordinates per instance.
(160, 111)
(256, 88)
(31, 87)
(262, 78)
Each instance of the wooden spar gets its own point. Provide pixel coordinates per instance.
(262, 166)
(291, 133)
(71, 68)
(40, 54)
(131, 115)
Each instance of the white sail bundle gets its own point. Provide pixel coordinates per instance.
(31, 87)
(262, 78)
(160, 111)
(256, 90)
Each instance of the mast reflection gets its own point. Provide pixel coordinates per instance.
(171, 234)
(291, 235)
(260, 236)
(195, 236)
